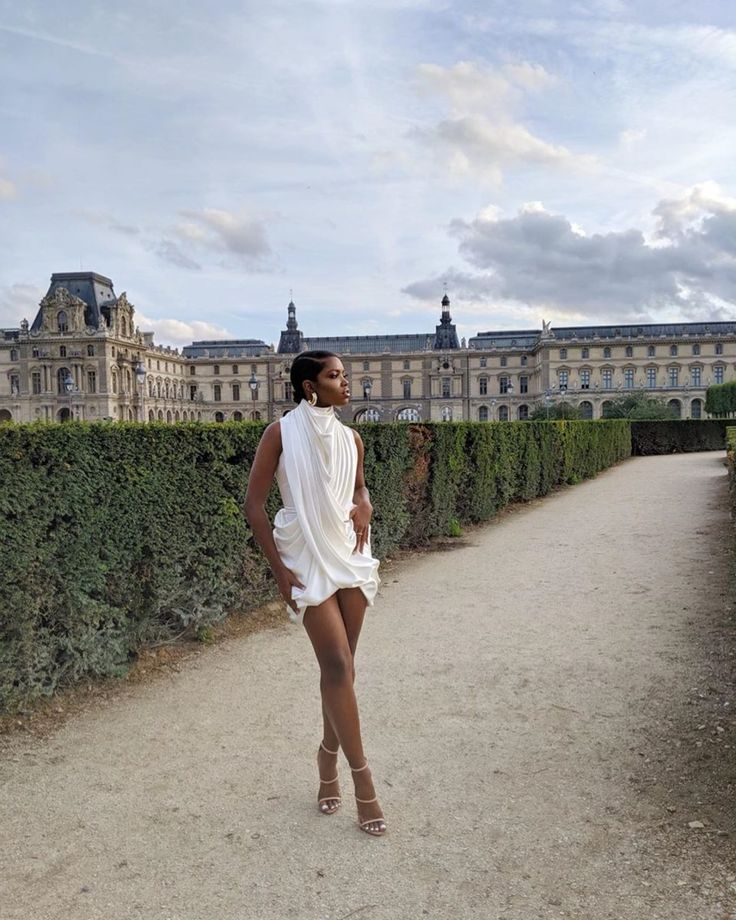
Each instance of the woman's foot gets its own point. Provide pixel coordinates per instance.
(328, 797)
(370, 815)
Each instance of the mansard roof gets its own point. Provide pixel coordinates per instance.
(95, 290)
(370, 344)
(226, 348)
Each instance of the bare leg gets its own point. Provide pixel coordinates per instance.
(352, 605)
(328, 634)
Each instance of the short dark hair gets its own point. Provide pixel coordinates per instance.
(306, 366)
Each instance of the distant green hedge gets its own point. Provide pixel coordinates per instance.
(720, 399)
(118, 536)
(677, 436)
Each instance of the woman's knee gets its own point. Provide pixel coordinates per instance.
(337, 666)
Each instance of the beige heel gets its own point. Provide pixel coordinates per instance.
(365, 825)
(329, 804)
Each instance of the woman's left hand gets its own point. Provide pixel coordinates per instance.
(361, 517)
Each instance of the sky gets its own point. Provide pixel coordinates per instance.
(567, 161)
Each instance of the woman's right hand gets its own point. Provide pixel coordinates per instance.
(285, 578)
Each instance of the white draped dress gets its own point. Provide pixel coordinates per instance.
(313, 533)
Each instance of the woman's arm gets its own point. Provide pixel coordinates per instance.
(259, 485)
(361, 514)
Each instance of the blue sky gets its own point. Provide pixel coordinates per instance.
(566, 161)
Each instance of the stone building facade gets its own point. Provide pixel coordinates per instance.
(83, 357)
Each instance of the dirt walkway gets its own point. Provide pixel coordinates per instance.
(546, 709)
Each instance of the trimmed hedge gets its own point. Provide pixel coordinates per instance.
(677, 435)
(720, 399)
(118, 536)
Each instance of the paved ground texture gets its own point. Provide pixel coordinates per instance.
(547, 708)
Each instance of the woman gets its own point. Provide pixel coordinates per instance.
(319, 552)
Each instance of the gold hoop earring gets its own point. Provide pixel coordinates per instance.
(313, 399)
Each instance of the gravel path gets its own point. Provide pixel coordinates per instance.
(546, 708)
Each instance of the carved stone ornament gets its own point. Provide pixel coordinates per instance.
(24, 326)
(61, 299)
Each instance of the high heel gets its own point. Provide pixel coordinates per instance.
(365, 825)
(324, 804)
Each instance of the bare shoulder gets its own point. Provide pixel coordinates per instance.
(271, 437)
(358, 439)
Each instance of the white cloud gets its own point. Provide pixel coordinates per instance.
(543, 260)
(237, 235)
(483, 137)
(19, 301)
(7, 189)
(177, 332)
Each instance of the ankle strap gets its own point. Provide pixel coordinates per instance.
(327, 750)
(358, 769)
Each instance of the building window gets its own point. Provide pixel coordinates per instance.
(524, 360)
(673, 351)
(562, 378)
(407, 364)
(407, 389)
(288, 391)
(91, 382)
(503, 384)
(218, 392)
(523, 385)
(367, 386)
(607, 352)
(629, 351)
(676, 405)
(696, 409)
(90, 351)
(14, 385)
(366, 365)
(696, 349)
(585, 379)
(36, 382)
(695, 376)
(192, 391)
(651, 351)
(484, 361)
(446, 386)
(235, 368)
(719, 348)
(62, 322)
(563, 354)
(674, 375)
(483, 381)
(523, 413)
(34, 353)
(483, 414)
(114, 383)
(447, 413)
(718, 374)
(586, 410)
(651, 377)
(584, 352)
(216, 369)
(62, 351)
(629, 378)
(236, 392)
(504, 361)
(607, 376)
(192, 369)
(503, 413)
(14, 354)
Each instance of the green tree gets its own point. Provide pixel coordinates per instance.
(555, 411)
(638, 405)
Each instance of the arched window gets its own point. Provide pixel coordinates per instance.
(168, 416)
(14, 354)
(114, 382)
(150, 415)
(606, 409)
(673, 351)
(483, 385)
(586, 409)
(219, 417)
(483, 414)
(651, 351)
(407, 388)
(90, 351)
(503, 413)
(696, 408)
(447, 413)
(676, 405)
(407, 415)
(368, 415)
(523, 413)
(629, 351)
(607, 352)
(61, 321)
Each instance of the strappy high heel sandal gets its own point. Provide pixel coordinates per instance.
(365, 825)
(324, 804)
